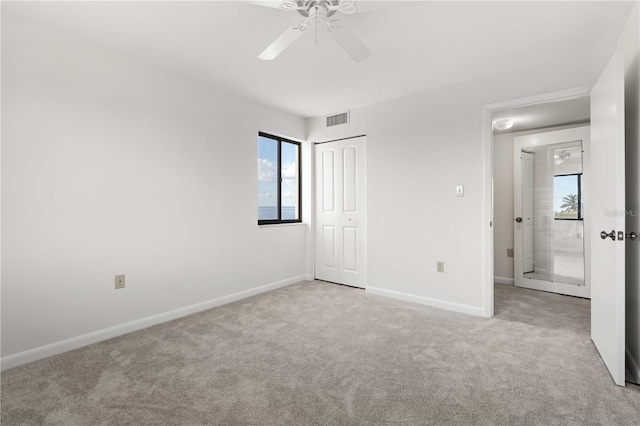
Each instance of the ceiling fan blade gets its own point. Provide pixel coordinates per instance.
(351, 44)
(280, 44)
(275, 4)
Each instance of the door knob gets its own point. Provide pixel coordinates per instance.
(611, 235)
(518, 219)
(631, 236)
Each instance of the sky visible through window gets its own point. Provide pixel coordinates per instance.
(268, 179)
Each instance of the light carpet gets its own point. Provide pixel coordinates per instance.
(322, 354)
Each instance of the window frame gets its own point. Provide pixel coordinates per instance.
(279, 221)
(579, 183)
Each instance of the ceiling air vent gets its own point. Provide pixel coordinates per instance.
(334, 120)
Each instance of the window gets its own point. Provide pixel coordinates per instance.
(567, 197)
(278, 180)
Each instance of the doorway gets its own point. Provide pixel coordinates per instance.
(607, 191)
(540, 122)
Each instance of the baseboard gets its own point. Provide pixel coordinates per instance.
(450, 306)
(633, 365)
(503, 280)
(11, 361)
(309, 277)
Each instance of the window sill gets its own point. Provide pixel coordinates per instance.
(274, 225)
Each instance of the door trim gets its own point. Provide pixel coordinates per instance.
(487, 178)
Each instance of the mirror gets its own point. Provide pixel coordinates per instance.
(553, 213)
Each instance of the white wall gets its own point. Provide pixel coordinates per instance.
(629, 43)
(110, 166)
(503, 200)
(419, 148)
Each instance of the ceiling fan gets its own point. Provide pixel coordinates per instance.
(318, 13)
(562, 156)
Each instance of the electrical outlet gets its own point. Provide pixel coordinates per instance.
(440, 266)
(509, 252)
(119, 281)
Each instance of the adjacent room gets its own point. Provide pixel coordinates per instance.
(320, 212)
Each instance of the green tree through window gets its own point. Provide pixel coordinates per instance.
(570, 203)
(568, 197)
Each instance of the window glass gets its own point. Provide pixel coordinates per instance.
(567, 197)
(278, 180)
(290, 183)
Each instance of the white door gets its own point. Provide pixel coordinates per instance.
(527, 160)
(341, 227)
(608, 195)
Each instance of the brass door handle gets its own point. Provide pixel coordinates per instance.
(631, 236)
(518, 219)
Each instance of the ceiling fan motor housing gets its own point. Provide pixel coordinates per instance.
(304, 6)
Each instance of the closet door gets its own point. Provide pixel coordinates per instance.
(340, 227)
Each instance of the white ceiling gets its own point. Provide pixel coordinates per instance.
(417, 45)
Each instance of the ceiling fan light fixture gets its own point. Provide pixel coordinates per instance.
(317, 15)
(503, 124)
(561, 157)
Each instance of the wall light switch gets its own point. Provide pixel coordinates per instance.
(440, 266)
(460, 191)
(119, 281)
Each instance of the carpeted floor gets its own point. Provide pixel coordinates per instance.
(319, 353)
